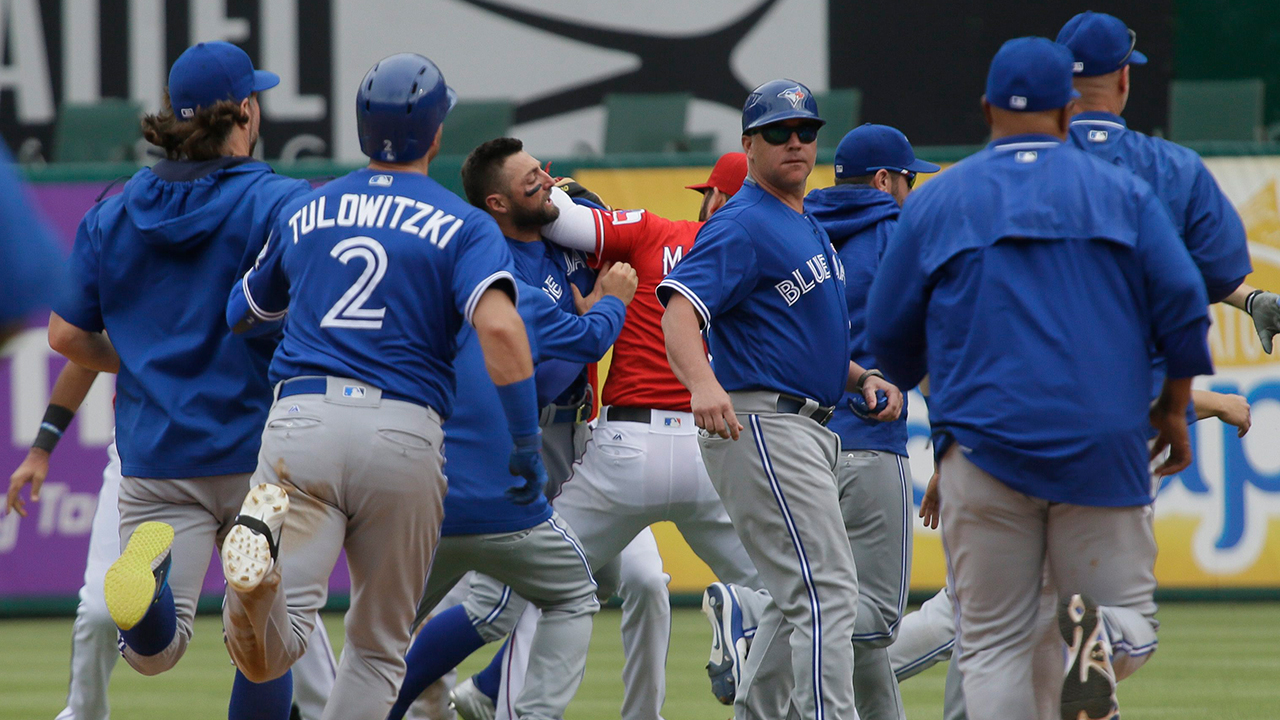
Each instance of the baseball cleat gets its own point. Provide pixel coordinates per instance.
(1089, 688)
(250, 549)
(470, 703)
(728, 644)
(135, 579)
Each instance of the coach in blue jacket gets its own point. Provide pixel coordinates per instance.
(1029, 282)
(875, 170)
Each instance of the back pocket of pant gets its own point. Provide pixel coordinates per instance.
(404, 438)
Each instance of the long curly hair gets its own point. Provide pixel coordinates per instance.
(200, 138)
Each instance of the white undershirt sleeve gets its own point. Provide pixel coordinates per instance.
(576, 228)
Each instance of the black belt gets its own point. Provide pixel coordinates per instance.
(797, 406)
(619, 413)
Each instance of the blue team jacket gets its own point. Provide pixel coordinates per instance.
(859, 220)
(477, 442)
(152, 266)
(1030, 281)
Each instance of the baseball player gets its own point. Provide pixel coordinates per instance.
(31, 269)
(763, 279)
(1103, 49)
(377, 272)
(875, 169)
(190, 396)
(1040, 417)
(643, 465)
(508, 183)
(527, 546)
(93, 637)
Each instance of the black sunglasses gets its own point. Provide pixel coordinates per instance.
(910, 176)
(780, 134)
(1133, 43)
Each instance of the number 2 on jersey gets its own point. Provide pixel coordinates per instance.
(349, 311)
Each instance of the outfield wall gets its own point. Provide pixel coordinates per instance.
(1218, 523)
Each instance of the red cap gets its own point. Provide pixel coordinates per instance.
(727, 175)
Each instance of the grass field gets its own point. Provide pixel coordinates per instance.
(1216, 661)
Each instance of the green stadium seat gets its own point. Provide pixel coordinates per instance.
(476, 121)
(647, 123)
(842, 110)
(1216, 110)
(105, 131)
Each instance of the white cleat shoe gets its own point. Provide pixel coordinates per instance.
(471, 704)
(250, 549)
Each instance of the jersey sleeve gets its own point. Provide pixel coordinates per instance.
(896, 308)
(717, 274)
(1215, 236)
(622, 233)
(81, 304)
(564, 336)
(259, 302)
(481, 261)
(1176, 298)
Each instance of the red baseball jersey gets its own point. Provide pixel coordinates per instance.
(640, 375)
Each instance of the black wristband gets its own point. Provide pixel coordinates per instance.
(862, 380)
(56, 420)
(1248, 301)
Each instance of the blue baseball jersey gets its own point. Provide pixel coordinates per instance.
(1205, 219)
(32, 271)
(151, 266)
(1031, 281)
(377, 272)
(770, 289)
(476, 436)
(859, 219)
(552, 269)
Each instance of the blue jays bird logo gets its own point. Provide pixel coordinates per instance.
(794, 95)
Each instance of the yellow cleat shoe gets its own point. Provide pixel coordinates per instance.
(135, 579)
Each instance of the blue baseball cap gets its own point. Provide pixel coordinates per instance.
(211, 72)
(1100, 43)
(1030, 74)
(868, 148)
(779, 100)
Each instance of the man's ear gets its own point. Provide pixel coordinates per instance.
(986, 110)
(496, 204)
(882, 181)
(246, 110)
(746, 143)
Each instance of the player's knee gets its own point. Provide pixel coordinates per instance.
(648, 590)
(151, 665)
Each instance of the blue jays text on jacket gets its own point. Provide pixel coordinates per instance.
(859, 219)
(770, 289)
(152, 266)
(552, 269)
(377, 272)
(1030, 281)
(476, 435)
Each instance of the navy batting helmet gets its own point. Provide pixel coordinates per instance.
(779, 100)
(401, 103)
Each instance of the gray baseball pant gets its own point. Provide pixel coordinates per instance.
(876, 506)
(778, 484)
(201, 511)
(364, 474)
(545, 565)
(998, 542)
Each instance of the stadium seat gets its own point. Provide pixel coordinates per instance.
(647, 123)
(105, 131)
(472, 122)
(1216, 110)
(841, 109)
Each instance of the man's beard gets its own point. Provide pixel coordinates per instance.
(534, 219)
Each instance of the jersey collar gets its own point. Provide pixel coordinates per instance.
(1100, 119)
(1029, 141)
